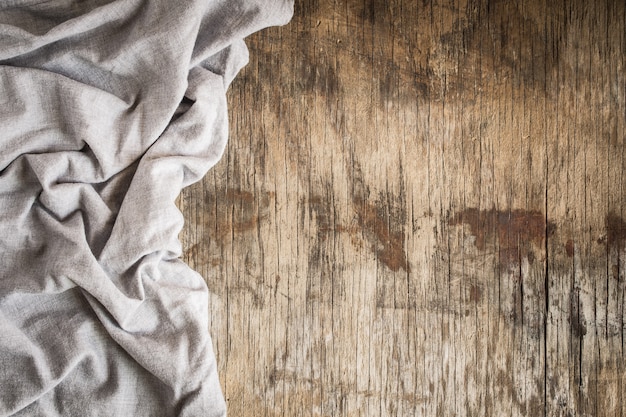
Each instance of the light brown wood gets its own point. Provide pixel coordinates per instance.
(420, 212)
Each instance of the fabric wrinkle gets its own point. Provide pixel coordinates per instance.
(108, 109)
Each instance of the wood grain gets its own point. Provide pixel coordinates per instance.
(420, 212)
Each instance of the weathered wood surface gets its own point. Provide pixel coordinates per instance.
(421, 212)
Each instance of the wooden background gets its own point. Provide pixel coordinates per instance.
(421, 212)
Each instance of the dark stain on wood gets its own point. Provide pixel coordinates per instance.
(475, 293)
(252, 289)
(576, 317)
(506, 387)
(382, 227)
(379, 223)
(615, 231)
(237, 211)
(321, 211)
(321, 285)
(315, 78)
(477, 37)
(199, 254)
(517, 233)
(569, 248)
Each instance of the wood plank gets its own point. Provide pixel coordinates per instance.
(420, 212)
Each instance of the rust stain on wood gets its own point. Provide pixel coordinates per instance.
(518, 233)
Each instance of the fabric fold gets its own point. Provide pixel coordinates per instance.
(108, 109)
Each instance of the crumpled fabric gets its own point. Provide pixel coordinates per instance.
(107, 110)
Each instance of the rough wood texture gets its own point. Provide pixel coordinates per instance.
(421, 212)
